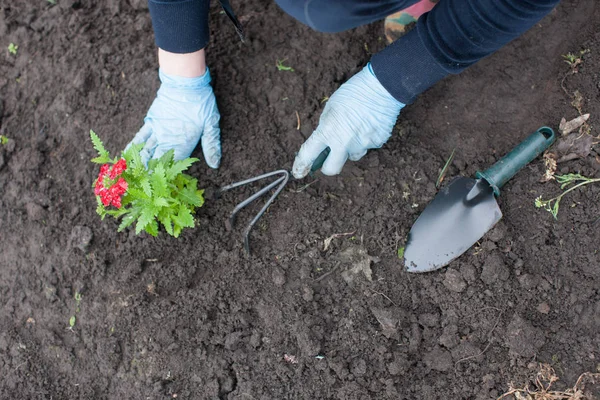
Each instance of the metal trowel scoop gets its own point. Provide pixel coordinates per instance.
(462, 212)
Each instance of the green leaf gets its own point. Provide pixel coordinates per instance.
(167, 223)
(100, 209)
(160, 202)
(152, 228)
(118, 213)
(103, 155)
(72, 321)
(159, 182)
(132, 156)
(401, 253)
(184, 218)
(179, 166)
(145, 184)
(127, 221)
(191, 196)
(177, 231)
(145, 218)
(167, 158)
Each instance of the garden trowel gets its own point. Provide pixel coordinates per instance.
(463, 211)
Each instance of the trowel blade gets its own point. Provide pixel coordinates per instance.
(459, 215)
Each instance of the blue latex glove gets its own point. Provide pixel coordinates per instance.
(183, 113)
(360, 115)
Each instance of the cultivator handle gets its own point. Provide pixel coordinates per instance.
(498, 174)
(320, 160)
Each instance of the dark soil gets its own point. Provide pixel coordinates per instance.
(194, 318)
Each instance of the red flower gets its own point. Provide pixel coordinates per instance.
(110, 192)
(118, 168)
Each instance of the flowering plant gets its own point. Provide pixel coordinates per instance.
(161, 192)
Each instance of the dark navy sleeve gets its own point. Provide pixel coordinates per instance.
(450, 38)
(180, 26)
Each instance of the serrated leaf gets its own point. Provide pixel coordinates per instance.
(127, 221)
(152, 163)
(160, 202)
(118, 213)
(144, 219)
(135, 193)
(177, 230)
(191, 196)
(100, 160)
(145, 184)
(159, 182)
(152, 228)
(167, 158)
(132, 154)
(184, 218)
(167, 223)
(179, 166)
(100, 209)
(103, 156)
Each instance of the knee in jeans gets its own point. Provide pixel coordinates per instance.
(320, 15)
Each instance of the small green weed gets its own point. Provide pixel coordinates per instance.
(401, 253)
(552, 205)
(3, 140)
(442, 175)
(12, 49)
(574, 59)
(282, 67)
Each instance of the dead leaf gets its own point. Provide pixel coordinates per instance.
(550, 163)
(573, 146)
(388, 321)
(327, 242)
(359, 260)
(567, 127)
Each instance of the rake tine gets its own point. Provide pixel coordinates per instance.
(250, 199)
(254, 179)
(284, 180)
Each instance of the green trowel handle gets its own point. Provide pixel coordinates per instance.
(501, 172)
(320, 159)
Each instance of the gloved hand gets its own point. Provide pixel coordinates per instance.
(360, 115)
(183, 113)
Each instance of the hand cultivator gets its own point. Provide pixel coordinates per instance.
(282, 178)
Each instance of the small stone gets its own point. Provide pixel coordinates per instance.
(438, 359)
(543, 308)
(453, 281)
(278, 277)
